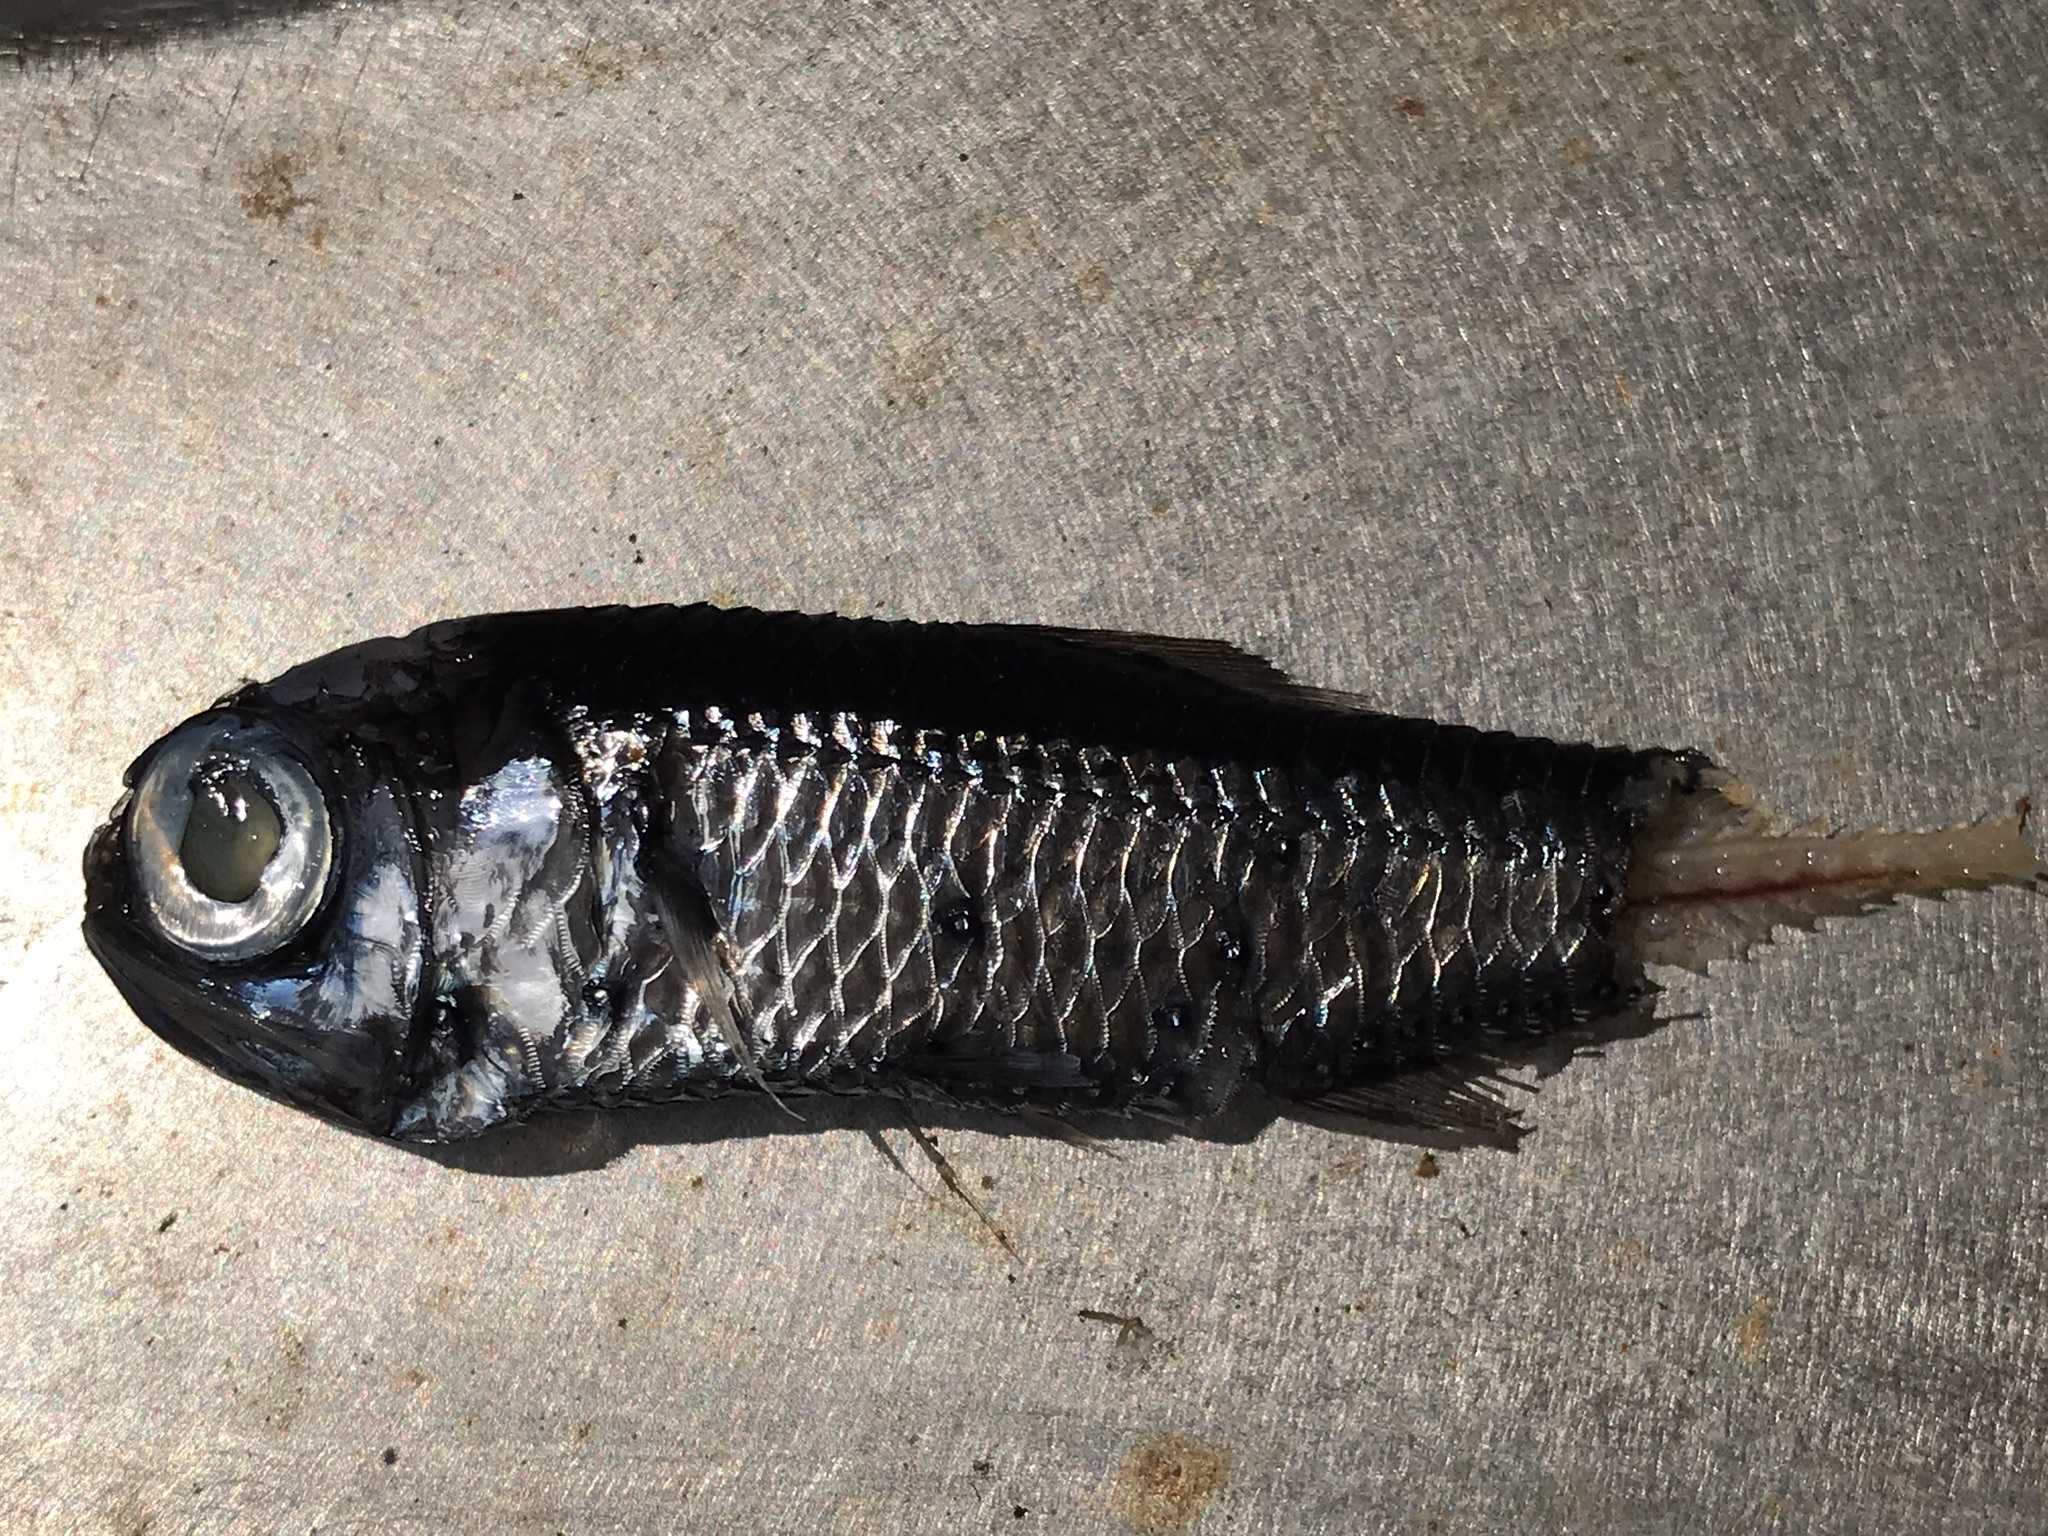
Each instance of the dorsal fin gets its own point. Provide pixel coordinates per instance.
(1217, 660)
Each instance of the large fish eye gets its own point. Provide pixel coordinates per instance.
(229, 839)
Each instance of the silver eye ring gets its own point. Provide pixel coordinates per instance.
(229, 778)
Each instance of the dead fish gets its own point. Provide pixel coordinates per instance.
(612, 856)
(40, 29)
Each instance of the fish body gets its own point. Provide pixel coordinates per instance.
(621, 856)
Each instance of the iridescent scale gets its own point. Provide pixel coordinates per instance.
(1004, 920)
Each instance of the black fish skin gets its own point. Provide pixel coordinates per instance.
(629, 855)
(37, 29)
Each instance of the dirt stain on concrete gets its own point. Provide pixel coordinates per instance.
(130, 1516)
(270, 186)
(919, 373)
(586, 66)
(1753, 1328)
(288, 1386)
(1167, 1480)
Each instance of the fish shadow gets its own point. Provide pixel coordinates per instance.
(580, 1140)
(1456, 1106)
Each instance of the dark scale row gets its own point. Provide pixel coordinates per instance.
(1011, 919)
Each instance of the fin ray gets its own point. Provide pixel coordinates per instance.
(1715, 877)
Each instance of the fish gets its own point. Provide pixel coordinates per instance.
(55, 29)
(431, 885)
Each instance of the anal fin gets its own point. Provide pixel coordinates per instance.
(1445, 1107)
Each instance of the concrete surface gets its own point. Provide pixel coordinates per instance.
(1668, 372)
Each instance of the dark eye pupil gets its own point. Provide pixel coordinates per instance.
(230, 837)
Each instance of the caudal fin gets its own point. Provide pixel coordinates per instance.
(1712, 877)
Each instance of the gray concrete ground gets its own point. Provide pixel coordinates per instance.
(1661, 372)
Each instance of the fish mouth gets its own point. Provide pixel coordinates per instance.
(180, 1010)
(140, 986)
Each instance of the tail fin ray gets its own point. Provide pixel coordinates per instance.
(1713, 877)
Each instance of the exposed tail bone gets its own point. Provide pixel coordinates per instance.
(1712, 877)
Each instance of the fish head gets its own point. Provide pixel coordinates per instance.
(255, 896)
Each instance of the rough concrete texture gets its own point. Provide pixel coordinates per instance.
(1662, 372)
